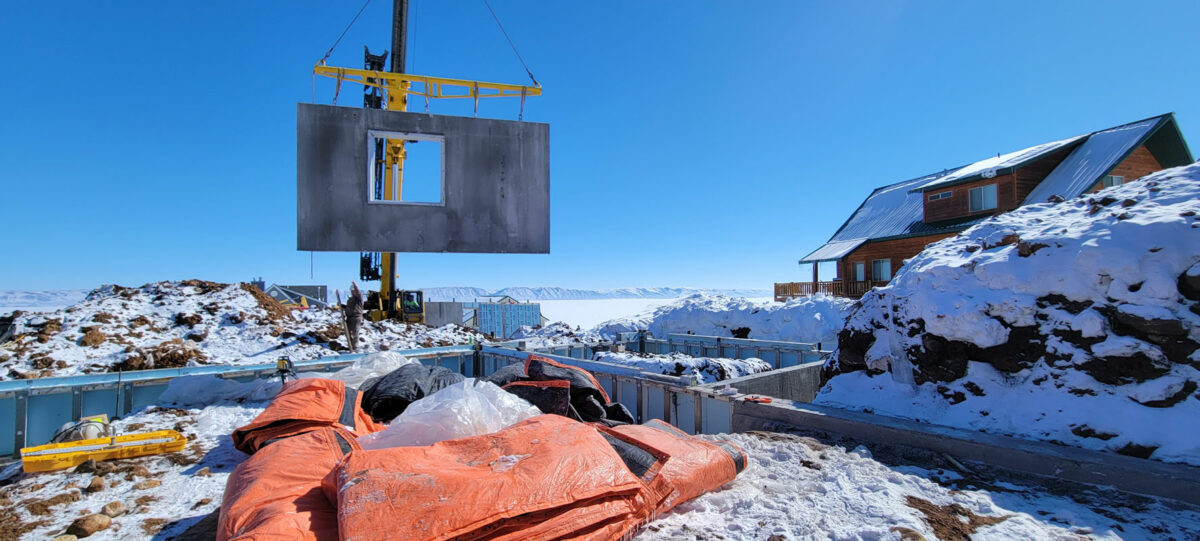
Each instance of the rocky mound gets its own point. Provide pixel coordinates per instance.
(193, 322)
(1073, 321)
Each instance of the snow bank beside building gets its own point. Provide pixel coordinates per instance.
(1075, 322)
(173, 324)
(808, 319)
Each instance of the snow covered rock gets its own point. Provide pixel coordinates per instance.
(1083, 315)
(807, 319)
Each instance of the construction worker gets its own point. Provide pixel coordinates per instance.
(410, 303)
(353, 310)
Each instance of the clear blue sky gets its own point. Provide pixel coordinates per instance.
(707, 144)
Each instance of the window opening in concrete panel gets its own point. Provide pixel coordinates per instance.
(405, 168)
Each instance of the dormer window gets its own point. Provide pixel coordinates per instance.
(983, 198)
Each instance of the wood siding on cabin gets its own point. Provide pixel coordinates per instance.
(1139, 164)
(896, 250)
(1029, 176)
(958, 205)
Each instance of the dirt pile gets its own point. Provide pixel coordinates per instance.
(189, 323)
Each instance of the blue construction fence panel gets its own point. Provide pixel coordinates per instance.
(504, 320)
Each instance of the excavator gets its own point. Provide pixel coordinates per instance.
(391, 90)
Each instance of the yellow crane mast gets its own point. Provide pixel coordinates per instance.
(395, 87)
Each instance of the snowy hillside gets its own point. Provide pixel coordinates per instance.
(559, 293)
(1075, 322)
(171, 324)
(808, 319)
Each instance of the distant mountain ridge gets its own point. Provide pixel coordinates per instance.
(60, 298)
(32, 299)
(560, 293)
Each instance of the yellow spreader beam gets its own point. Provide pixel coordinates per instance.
(427, 86)
(57, 456)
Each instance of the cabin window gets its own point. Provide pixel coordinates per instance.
(983, 198)
(1110, 181)
(881, 270)
(943, 195)
(860, 271)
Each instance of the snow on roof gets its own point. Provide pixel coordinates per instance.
(1006, 161)
(890, 211)
(898, 210)
(833, 250)
(1095, 157)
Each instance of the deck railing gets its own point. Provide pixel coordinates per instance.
(836, 288)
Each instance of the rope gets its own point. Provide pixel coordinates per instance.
(511, 44)
(339, 40)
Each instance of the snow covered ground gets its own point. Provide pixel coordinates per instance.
(1075, 322)
(27, 300)
(702, 369)
(804, 487)
(808, 319)
(793, 488)
(588, 313)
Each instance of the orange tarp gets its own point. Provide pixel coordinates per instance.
(694, 466)
(538, 479)
(304, 405)
(276, 494)
(547, 478)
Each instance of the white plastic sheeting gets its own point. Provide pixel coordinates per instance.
(373, 365)
(467, 408)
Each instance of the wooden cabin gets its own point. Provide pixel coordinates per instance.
(897, 221)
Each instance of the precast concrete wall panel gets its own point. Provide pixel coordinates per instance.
(495, 184)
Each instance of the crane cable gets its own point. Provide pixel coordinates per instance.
(339, 40)
(330, 51)
(511, 44)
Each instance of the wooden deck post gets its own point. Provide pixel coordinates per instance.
(815, 280)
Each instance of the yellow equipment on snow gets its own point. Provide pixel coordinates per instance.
(57, 456)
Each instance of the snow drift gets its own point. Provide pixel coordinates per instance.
(808, 319)
(703, 369)
(1075, 322)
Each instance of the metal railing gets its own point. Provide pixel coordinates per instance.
(836, 288)
(32, 410)
(49, 402)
